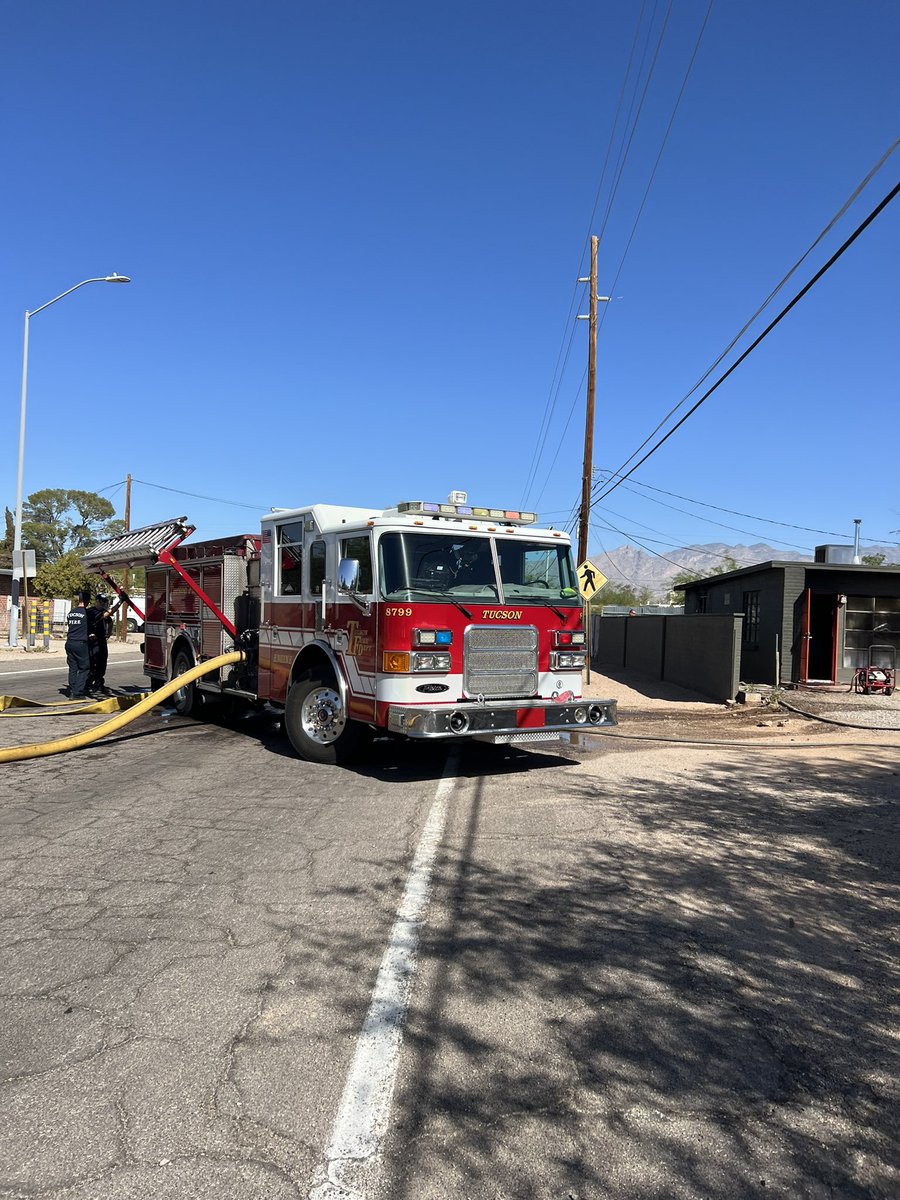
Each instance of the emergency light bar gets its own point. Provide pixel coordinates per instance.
(507, 516)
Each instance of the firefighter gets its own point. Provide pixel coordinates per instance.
(77, 642)
(98, 632)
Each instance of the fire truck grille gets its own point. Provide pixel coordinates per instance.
(500, 661)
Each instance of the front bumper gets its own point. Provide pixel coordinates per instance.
(503, 721)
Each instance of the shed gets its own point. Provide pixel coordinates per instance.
(806, 622)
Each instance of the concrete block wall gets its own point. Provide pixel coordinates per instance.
(701, 652)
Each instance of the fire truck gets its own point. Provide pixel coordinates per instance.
(427, 620)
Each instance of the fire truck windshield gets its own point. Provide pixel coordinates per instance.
(425, 566)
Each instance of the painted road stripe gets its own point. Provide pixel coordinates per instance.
(113, 662)
(351, 1159)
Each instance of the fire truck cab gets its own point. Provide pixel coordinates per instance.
(427, 620)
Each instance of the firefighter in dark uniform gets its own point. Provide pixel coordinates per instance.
(77, 642)
(98, 632)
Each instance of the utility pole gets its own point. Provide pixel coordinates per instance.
(123, 619)
(587, 466)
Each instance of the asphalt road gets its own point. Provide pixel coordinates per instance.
(644, 972)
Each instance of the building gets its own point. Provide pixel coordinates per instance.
(807, 621)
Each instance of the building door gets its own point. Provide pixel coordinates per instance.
(821, 641)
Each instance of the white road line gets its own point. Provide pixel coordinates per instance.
(351, 1158)
(113, 662)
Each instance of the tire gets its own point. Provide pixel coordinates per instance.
(317, 724)
(131, 625)
(188, 700)
(888, 690)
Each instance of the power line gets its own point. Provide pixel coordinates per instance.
(799, 296)
(668, 541)
(644, 199)
(840, 213)
(559, 372)
(735, 513)
(659, 155)
(198, 496)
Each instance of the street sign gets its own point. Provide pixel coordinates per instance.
(24, 565)
(590, 579)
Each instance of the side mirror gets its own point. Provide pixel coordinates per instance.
(348, 576)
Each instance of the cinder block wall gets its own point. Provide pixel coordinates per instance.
(703, 652)
(608, 641)
(645, 638)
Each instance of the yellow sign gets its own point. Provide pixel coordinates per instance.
(590, 579)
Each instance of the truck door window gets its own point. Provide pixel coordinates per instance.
(360, 548)
(316, 567)
(290, 559)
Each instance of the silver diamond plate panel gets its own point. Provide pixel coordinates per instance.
(500, 661)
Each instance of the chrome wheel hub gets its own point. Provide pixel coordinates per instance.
(322, 715)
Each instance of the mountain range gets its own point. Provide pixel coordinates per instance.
(631, 565)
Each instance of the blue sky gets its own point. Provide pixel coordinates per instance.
(354, 232)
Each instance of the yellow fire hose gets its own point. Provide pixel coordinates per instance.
(77, 740)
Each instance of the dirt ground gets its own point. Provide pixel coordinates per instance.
(648, 707)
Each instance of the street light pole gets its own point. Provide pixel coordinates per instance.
(13, 638)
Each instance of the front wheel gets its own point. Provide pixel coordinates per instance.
(317, 725)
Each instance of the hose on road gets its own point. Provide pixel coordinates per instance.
(88, 736)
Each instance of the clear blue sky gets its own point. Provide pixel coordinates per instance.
(354, 231)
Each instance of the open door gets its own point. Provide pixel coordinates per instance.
(805, 634)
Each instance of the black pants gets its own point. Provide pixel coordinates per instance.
(99, 655)
(78, 658)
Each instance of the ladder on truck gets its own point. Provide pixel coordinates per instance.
(148, 547)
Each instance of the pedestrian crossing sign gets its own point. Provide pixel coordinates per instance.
(590, 579)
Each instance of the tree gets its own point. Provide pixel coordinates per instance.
(873, 560)
(727, 564)
(623, 594)
(63, 578)
(57, 520)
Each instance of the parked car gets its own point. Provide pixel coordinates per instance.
(132, 622)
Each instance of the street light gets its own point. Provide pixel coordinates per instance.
(17, 537)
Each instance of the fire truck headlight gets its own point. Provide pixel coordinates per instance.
(431, 662)
(566, 660)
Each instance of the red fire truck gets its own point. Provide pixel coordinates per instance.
(427, 620)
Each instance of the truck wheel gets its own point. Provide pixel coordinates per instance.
(317, 724)
(187, 701)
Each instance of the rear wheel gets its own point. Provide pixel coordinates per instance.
(187, 701)
(317, 725)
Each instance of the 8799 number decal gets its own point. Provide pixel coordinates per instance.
(398, 612)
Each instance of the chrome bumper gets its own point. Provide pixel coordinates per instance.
(504, 721)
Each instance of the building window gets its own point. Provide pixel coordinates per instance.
(751, 618)
(871, 621)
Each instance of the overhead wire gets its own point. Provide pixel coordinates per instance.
(736, 513)
(657, 161)
(569, 326)
(842, 249)
(778, 287)
(198, 496)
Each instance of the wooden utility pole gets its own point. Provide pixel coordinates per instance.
(123, 619)
(587, 466)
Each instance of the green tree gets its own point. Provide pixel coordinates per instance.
(623, 594)
(873, 560)
(63, 578)
(57, 520)
(727, 564)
